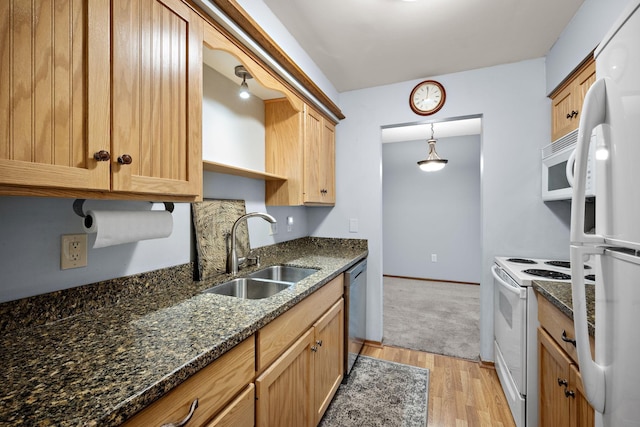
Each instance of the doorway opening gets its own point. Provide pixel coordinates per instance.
(432, 238)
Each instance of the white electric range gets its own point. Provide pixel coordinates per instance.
(515, 328)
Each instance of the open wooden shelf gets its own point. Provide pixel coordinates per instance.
(210, 166)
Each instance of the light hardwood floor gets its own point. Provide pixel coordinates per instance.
(461, 392)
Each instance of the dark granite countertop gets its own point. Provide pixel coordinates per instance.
(559, 294)
(97, 354)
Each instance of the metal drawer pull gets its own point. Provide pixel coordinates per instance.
(184, 422)
(567, 339)
(562, 382)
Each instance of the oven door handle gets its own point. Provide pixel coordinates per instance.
(521, 292)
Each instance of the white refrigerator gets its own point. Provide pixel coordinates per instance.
(612, 107)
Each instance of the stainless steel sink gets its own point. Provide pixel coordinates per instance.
(248, 288)
(283, 273)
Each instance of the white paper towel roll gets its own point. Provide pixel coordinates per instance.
(118, 227)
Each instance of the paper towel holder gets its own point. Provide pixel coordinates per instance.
(78, 205)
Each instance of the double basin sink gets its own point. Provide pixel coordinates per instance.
(262, 283)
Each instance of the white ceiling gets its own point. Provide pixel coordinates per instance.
(443, 129)
(365, 43)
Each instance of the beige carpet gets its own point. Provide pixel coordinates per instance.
(436, 317)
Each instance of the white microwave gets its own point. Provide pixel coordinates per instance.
(558, 161)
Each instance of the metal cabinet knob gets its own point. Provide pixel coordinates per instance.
(319, 342)
(125, 159)
(102, 155)
(562, 382)
(570, 393)
(314, 348)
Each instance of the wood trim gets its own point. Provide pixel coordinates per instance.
(487, 364)
(430, 280)
(236, 13)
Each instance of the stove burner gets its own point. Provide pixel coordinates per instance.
(563, 264)
(547, 274)
(522, 261)
(590, 277)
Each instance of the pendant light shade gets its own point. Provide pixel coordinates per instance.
(244, 87)
(433, 162)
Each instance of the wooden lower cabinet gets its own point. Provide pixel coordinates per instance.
(214, 386)
(329, 355)
(239, 413)
(297, 388)
(562, 400)
(284, 391)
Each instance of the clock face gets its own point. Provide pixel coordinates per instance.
(427, 98)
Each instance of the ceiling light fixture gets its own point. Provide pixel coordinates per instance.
(433, 162)
(244, 87)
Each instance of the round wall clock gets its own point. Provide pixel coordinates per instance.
(427, 97)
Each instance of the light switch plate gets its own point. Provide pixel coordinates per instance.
(73, 251)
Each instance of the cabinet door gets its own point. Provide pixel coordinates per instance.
(328, 159)
(582, 413)
(329, 336)
(567, 103)
(554, 380)
(313, 181)
(319, 160)
(284, 391)
(157, 97)
(53, 117)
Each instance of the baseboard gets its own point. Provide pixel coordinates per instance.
(487, 364)
(374, 344)
(426, 279)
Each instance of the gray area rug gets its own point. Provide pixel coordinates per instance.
(380, 393)
(435, 317)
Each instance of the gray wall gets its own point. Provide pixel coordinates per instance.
(432, 213)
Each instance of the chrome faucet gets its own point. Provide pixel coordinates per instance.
(233, 262)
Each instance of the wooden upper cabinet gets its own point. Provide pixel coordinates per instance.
(157, 97)
(568, 98)
(122, 78)
(53, 117)
(299, 145)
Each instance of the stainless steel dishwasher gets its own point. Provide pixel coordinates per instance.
(355, 320)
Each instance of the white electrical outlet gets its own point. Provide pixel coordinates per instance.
(434, 257)
(73, 251)
(274, 229)
(353, 225)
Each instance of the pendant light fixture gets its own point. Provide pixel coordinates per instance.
(244, 87)
(433, 162)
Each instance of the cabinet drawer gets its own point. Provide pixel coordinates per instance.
(239, 413)
(277, 336)
(555, 323)
(213, 386)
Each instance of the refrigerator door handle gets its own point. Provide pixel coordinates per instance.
(593, 377)
(593, 114)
